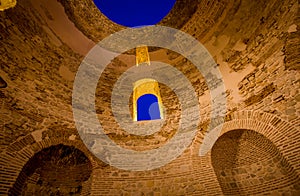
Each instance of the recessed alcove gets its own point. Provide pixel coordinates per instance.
(147, 102)
(56, 170)
(255, 46)
(248, 163)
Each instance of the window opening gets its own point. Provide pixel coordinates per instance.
(147, 104)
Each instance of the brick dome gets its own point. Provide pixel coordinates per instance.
(254, 150)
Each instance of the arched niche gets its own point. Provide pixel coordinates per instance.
(147, 102)
(147, 107)
(248, 163)
(56, 170)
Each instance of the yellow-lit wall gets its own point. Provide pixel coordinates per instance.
(142, 87)
(6, 4)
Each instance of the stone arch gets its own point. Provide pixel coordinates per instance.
(248, 163)
(15, 157)
(144, 90)
(281, 133)
(58, 169)
(147, 107)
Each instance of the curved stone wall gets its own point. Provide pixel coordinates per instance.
(247, 163)
(254, 43)
(96, 26)
(59, 170)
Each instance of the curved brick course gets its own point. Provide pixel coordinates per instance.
(255, 46)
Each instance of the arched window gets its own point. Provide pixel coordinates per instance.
(147, 107)
(147, 104)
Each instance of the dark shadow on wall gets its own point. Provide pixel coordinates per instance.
(57, 170)
(3, 84)
(248, 163)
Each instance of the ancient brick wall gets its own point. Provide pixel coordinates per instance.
(255, 45)
(247, 163)
(58, 170)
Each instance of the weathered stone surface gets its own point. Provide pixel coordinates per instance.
(243, 158)
(256, 47)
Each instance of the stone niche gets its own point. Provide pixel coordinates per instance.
(57, 170)
(248, 163)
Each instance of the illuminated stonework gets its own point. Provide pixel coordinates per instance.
(6, 4)
(142, 87)
(142, 55)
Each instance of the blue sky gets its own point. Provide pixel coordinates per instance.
(134, 13)
(147, 107)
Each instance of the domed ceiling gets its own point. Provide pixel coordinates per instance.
(43, 44)
(255, 46)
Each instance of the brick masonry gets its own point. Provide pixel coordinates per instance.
(254, 43)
